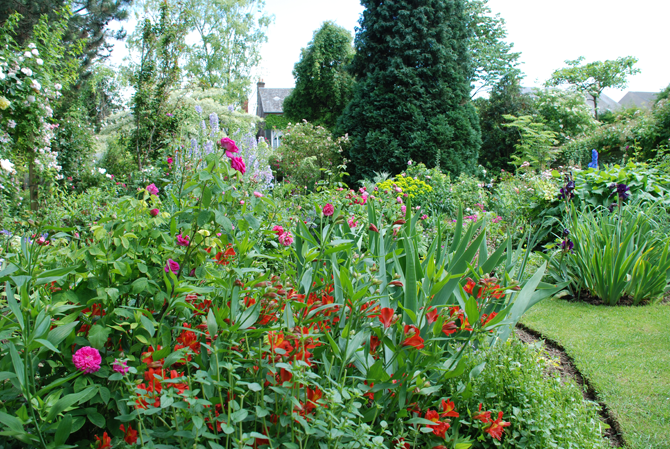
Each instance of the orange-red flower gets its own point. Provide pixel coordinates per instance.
(224, 257)
(432, 315)
(448, 409)
(485, 319)
(374, 344)
(496, 428)
(130, 435)
(386, 316)
(469, 286)
(104, 443)
(449, 327)
(484, 417)
(413, 338)
(439, 428)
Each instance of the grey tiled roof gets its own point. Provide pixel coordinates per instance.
(604, 102)
(273, 99)
(639, 99)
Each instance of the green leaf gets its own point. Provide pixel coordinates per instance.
(68, 401)
(206, 197)
(63, 431)
(212, 327)
(47, 344)
(98, 334)
(140, 284)
(13, 305)
(223, 221)
(253, 221)
(11, 422)
(148, 325)
(47, 277)
(57, 335)
(471, 310)
(96, 418)
(17, 362)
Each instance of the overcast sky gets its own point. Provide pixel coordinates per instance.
(546, 33)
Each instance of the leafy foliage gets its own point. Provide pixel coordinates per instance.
(594, 77)
(411, 100)
(322, 84)
(537, 144)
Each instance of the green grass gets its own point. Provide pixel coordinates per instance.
(625, 354)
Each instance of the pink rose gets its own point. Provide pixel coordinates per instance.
(238, 164)
(278, 229)
(403, 208)
(328, 210)
(183, 240)
(171, 265)
(352, 223)
(154, 212)
(230, 147)
(258, 194)
(169, 160)
(87, 360)
(120, 367)
(286, 238)
(152, 189)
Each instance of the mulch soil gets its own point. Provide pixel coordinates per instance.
(566, 369)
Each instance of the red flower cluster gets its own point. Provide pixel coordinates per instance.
(413, 337)
(494, 428)
(225, 257)
(441, 423)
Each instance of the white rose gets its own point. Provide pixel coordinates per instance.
(57, 86)
(102, 171)
(31, 99)
(39, 61)
(27, 54)
(26, 71)
(31, 45)
(35, 85)
(35, 52)
(7, 166)
(2, 76)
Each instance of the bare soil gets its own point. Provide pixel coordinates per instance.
(566, 369)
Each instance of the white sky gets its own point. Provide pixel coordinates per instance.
(546, 33)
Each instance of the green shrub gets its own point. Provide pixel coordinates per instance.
(308, 155)
(544, 411)
(440, 199)
(623, 253)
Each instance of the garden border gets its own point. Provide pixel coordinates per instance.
(568, 368)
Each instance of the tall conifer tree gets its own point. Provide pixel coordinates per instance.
(411, 100)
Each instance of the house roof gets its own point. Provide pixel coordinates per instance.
(273, 99)
(604, 102)
(638, 99)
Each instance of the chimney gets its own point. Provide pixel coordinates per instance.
(261, 83)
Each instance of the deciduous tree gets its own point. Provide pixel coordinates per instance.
(322, 84)
(594, 77)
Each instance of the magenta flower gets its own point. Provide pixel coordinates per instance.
(328, 210)
(120, 367)
(154, 212)
(183, 240)
(403, 208)
(152, 189)
(170, 160)
(87, 360)
(230, 147)
(171, 265)
(238, 164)
(352, 222)
(399, 200)
(258, 194)
(286, 238)
(279, 230)
(498, 219)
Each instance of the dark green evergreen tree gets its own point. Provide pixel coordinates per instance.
(498, 141)
(322, 84)
(412, 96)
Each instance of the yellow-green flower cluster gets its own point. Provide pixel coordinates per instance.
(546, 189)
(413, 187)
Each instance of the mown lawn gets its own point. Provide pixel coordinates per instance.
(625, 354)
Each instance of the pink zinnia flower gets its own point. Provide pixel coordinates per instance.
(87, 360)
(279, 230)
(286, 238)
(120, 367)
(238, 164)
(258, 194)
(328, 210)
(152, 189)
(183, 240)
(153, 212)
(171, 265)
(230, 147)
(169, 160)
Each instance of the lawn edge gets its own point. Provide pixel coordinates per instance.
(614, 434)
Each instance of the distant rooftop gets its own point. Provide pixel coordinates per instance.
(272, 100)
(643, 100)
(605, 103)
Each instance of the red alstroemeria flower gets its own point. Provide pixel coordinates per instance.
(469, 286)
(448, 409)
(484, 417)
(439, 428)
(449, 328)
(374, 344)
(413, 339)
(386, 317)
(104, 443)
(130, 435)
(485, 319)
(432, 315)
(496, 428)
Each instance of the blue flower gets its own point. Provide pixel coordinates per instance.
(594, 159)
